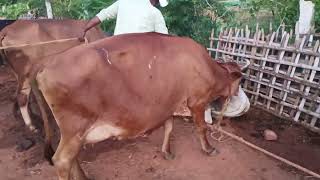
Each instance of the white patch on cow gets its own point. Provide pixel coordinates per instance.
(101, 132)
(107, 55)
(26, 117)
(24, 109)
(151, 62)
(207, 116)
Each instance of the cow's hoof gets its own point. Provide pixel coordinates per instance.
(212, 152)
(90, 178)
(168, 156)
(83, 178)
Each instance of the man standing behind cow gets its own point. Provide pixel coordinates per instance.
(133, 16)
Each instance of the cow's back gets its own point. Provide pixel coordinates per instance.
(34, 31)
(24, 31)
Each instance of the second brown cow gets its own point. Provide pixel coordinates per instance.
(22, 59)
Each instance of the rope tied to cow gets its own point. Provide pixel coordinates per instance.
(44, 43)
(215, 133)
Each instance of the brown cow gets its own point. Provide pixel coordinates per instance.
(22, 60)
(127, 86)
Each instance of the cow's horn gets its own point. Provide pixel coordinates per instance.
(243, 68)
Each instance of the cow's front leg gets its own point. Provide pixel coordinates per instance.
(23, 101)
(65, 158)
(198, 116)
(168, 126)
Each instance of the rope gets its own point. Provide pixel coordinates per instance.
(217, 135)
(240, 139)
(42, 43)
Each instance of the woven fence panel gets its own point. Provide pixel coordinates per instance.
(284, 75)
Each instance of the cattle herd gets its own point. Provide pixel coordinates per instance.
(119, 87)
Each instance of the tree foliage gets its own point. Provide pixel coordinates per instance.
(195, 18)
(82, 9)
(282, 11)
(12, 11)
(317, 15)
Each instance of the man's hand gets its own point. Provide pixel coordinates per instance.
(93, 22)
(82, 36)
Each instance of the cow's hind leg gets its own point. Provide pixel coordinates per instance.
(168, 126)
(65, 158)
(198, 115)
(23, 101)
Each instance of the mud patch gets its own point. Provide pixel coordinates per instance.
(295, 143)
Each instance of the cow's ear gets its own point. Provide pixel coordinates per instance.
(235, 76)
(233, 70)
(231, 67)
(235, 81)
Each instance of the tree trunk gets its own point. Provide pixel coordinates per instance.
(49, 9)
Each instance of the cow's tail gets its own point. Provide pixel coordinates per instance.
(3, 61)
(3, 33)
(48, 150)
(2, 55)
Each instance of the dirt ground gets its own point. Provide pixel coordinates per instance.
(21, 151)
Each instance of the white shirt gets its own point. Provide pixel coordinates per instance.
(134, 16)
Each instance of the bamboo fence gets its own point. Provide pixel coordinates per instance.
(284, 75)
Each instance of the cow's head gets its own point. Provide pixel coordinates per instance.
(234, 76)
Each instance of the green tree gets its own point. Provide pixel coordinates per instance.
(282, 11)
(317, 15)
(12, 9)
(196, 18)
(82, 9)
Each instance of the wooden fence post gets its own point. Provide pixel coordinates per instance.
(283, 78)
